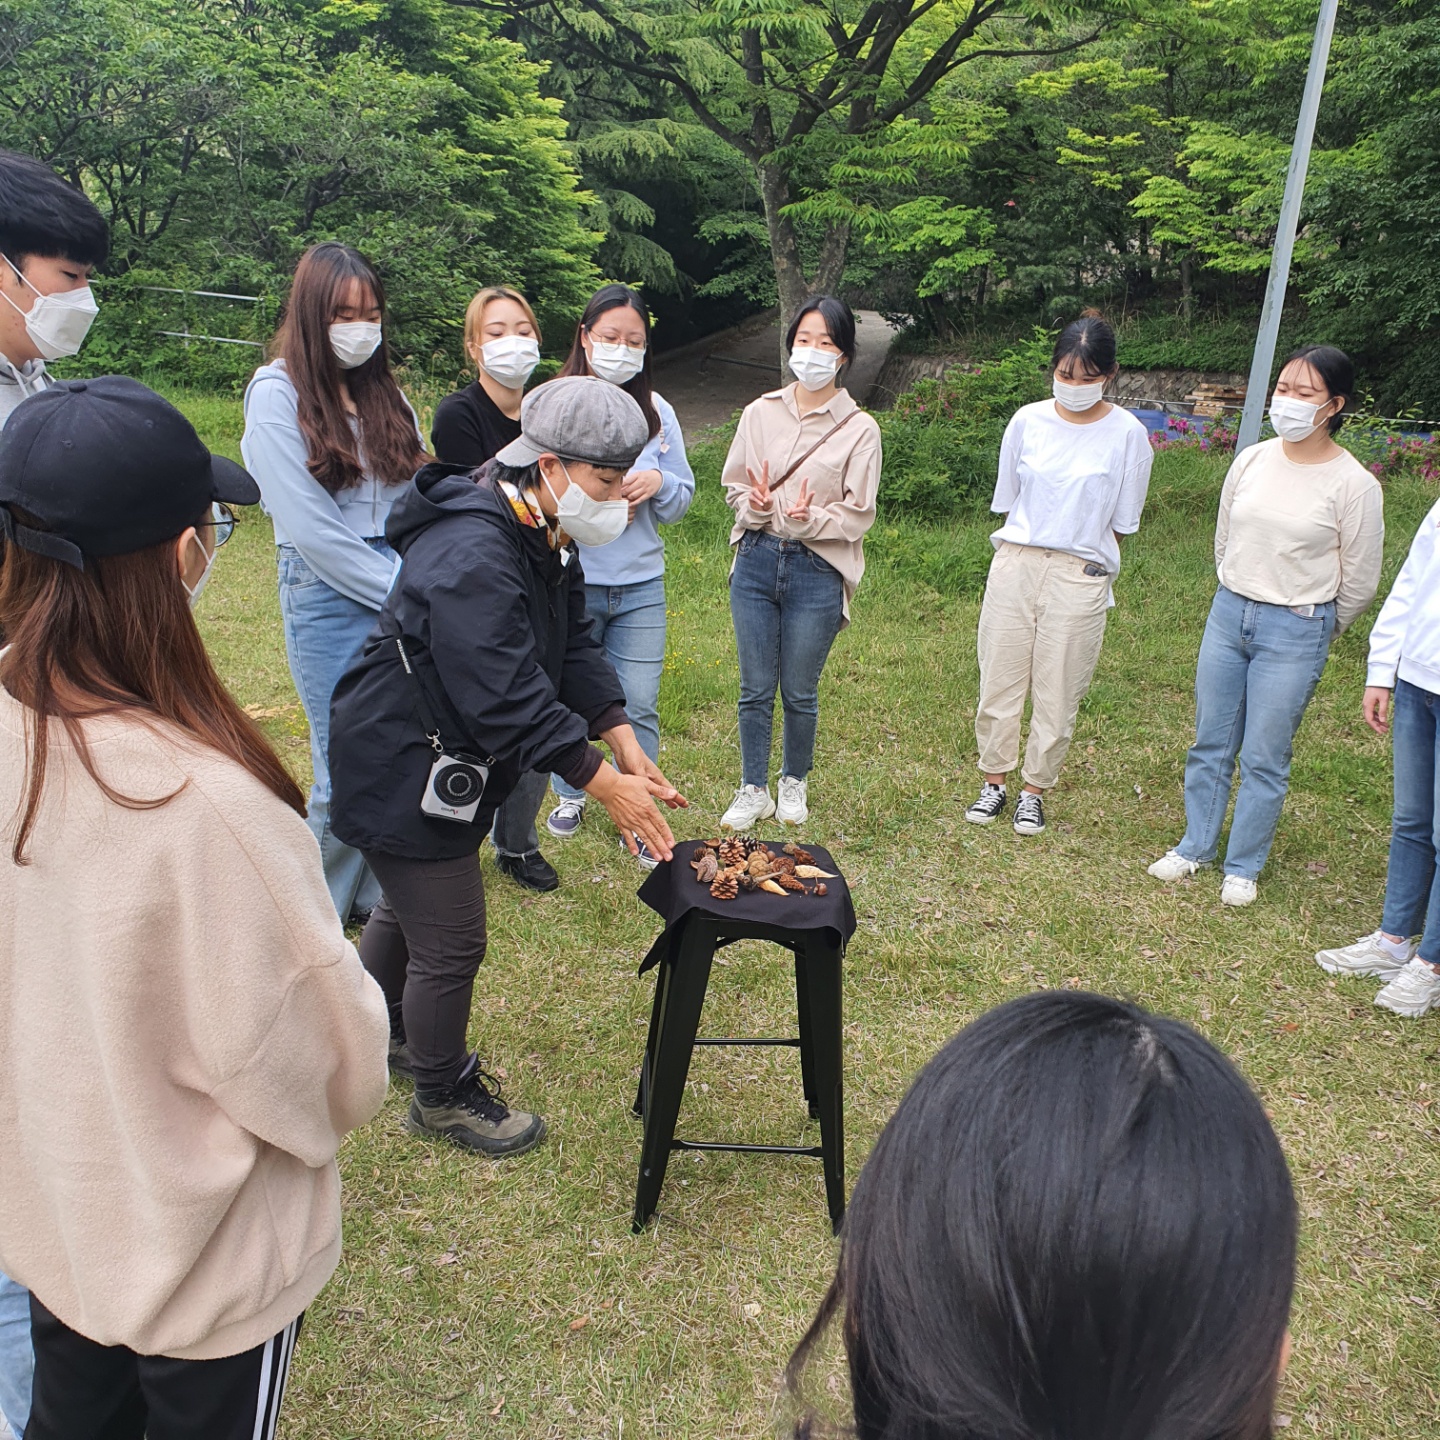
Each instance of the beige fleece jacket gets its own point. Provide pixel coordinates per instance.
(185, 1037)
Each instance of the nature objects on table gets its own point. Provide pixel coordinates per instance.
(742, 862)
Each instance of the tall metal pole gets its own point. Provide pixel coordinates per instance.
(1258, 388)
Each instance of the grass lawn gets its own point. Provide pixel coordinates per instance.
(512, 1300)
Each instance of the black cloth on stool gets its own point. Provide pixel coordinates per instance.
(672, 891)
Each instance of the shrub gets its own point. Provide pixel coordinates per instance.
(942, 439)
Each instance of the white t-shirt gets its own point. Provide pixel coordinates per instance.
(1071, 487)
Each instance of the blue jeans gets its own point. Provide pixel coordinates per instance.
(1259, 665)
(788, 605)
(324, 631)
(17, 1356)
(1412, 886)
(629, 622)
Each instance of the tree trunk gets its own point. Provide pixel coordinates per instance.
(831, 269)
(790, 283)
(1187, 287)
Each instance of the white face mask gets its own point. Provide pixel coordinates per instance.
(510, 359)
(354, 342)
(812, 367)
(194, 592)
(591, 522)
(1293, 420)
(1078, 397)
(57, 324)
(616, 363)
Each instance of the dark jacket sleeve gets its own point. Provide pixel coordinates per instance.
(482, 646)
(455, 434)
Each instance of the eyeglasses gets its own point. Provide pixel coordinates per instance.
(222, 517)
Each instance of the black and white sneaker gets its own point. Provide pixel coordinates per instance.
(1029, 814)
(990, 806)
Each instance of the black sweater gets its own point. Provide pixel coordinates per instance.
(470, 428)
(495, 626)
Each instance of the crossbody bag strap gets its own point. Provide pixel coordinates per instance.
(833, 430)
(427, 715)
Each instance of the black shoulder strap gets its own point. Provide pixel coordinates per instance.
(427, 716)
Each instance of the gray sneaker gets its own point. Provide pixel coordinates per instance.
(471, 1114)
(564, 820)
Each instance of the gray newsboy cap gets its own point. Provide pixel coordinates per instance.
(578, 417)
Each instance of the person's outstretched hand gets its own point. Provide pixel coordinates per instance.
(1375, 707)
(630, 802)
(760, 496)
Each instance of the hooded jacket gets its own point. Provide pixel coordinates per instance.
(1405, 639)
(494, 625)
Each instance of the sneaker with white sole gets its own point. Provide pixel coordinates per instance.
(751, 803)
(1367, 956)
(1237, 890)
(1172, 865)
(643, 855)
(792, 807)
(1413, 991)
(1029, 813)
(989, 806)
(564, 820)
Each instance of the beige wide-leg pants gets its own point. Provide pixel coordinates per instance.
(1042, 623)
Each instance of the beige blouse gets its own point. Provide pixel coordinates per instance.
(844, 476)
(1290, 534)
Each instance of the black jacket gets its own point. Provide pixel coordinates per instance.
(495, 626)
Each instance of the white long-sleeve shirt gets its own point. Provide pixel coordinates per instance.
(1405, 640)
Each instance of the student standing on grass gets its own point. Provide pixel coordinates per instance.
(802, 477)
(502, 339)
(51, 240)
(1402, 691)
(1298, 546)
(174, 970)
(1079, 1223)
(625, 580)
(484, 655)
(332, 441)
(1074, 472)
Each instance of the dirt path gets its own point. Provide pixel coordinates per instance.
(710, 380)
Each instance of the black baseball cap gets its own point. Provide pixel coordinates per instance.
(108, 467)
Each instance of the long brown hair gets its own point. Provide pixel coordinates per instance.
(390, 448)
(116, 637)
(615, 297)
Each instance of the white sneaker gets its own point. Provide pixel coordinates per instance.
(791, 808)
(1172, 865)
(1367, 956)
(751, 803)
(1237, 890)
(1413, 991)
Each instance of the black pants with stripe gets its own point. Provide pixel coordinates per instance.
(85, 1391)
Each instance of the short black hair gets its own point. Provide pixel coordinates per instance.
(839, 321)
(1090, 340)
(1079, 1222)
(1336, 369)
(41, 214)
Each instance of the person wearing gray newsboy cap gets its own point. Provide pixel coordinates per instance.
(483, 666)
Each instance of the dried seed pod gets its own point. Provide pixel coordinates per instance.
(799, 854)
(790, 883)
(812, 872)
(724, 887)
(779, 863)
(712, 844)
(707, 867)
(772, 887)
(758, 863)
(820, 888)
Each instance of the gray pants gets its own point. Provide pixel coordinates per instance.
(513, 832)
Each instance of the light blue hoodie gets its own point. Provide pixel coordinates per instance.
(639, 554)
(328, 530)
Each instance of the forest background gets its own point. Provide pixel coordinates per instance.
(970, 169)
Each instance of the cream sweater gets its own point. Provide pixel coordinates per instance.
(1291, 534)
(185, 1037)
(844, 476)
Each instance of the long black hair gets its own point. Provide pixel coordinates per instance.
(1335, 368)
(1079, 1224)
(613, 297)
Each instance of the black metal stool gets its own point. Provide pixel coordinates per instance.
(680, 985)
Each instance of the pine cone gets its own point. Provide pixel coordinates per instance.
(783, 863)
(789, 882)
(732, 852)
(725, 886)
(799, 855)
(753, 846)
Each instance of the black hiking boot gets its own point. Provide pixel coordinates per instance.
(471, 1114)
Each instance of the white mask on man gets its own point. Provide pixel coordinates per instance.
(57, 324)
(616, 363)
(814, 368)
(354, 341)
(583, 518)
(509, 359)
